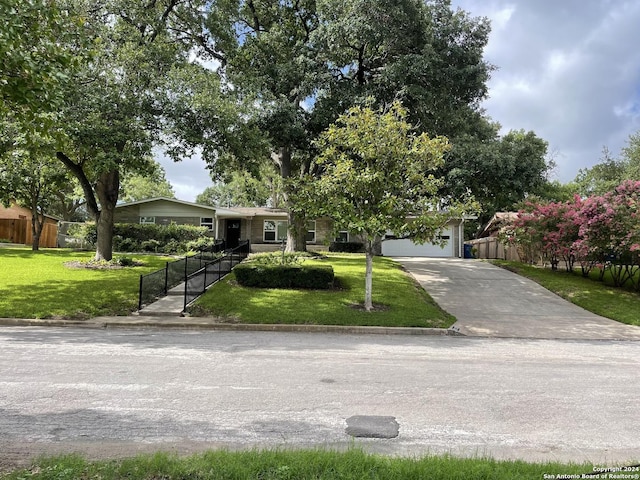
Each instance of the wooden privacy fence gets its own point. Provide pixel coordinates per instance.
(491, 247)
(18, 230)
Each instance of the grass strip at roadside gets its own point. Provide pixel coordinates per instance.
(294, 464)
(405, 303)
(614, 303)
(39, 285)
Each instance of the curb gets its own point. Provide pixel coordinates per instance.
(179, 322)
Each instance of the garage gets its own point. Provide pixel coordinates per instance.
(405, 247)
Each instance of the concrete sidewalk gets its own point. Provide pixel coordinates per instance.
(489, 301)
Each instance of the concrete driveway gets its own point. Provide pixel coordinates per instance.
(489, 301)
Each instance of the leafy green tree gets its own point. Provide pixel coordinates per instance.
(29, 176)
(69, 203)
(498, 172)
(304, 62)
(601, 178)
(378, 177)
(425, 54)
(605, 176)
(35, 60)
(245, 190)
(113, 108)
(150, 184)
(631, 157)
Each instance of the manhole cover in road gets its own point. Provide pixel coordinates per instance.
(368, 426)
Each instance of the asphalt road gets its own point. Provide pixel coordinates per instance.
(118, 392)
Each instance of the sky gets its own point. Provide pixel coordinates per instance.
(569, 70)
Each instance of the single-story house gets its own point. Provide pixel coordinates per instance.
(165, 211)
(266, 228)
(15, 226)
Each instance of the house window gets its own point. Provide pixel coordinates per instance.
(148, 220)
(343, 236)
(311, 231)
(275, 230)
(207, 222)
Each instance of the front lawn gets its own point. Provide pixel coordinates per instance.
(405, 303)
(615, 303)
(39, 285)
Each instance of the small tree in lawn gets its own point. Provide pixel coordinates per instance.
(377, 178)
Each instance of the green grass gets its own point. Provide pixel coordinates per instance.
(289, 464)
(407, 304)
(38, 285)
(615, 303)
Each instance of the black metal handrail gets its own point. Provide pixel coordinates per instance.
(157, 284)
(198, 282)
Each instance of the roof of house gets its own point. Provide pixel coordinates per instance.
(174, 200)
(259, 211)
(7, 211)
(499, 220)
(221, 212)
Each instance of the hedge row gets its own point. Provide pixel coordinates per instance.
(284, 276)
(133, 237)
(346, 247)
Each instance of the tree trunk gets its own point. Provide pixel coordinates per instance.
(37, 224)
(368, 277)
(296, 231)
(107, 189)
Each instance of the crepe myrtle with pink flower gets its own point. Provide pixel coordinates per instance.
(601, 232)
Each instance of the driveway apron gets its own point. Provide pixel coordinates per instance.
(489, 301)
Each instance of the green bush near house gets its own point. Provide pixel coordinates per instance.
(133, 237)
(346, 247)
(284, 276)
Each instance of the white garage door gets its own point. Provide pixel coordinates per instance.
(407, 248)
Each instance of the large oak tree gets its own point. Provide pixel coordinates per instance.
(112, 114)
(302, 63)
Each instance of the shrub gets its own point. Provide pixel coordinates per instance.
(124, 261)
(346, 247)
(133, 237)
(255, 274)
(201, 244)
(126, 245)
(173, 246)
(86, 232)
(150, 245)
(277, 258)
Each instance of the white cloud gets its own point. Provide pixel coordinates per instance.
(188, 177)
(568, 70)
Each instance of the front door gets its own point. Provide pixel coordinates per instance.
(233, 233)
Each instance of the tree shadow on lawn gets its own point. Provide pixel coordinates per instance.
(26, 252)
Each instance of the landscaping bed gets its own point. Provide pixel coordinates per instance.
(400, 301)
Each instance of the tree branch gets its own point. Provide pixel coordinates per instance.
(78, 172)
